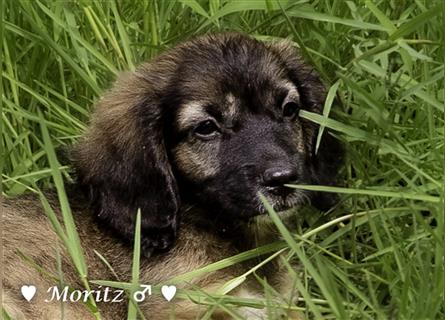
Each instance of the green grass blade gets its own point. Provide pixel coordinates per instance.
(326, 110)
(416, 22)
(132, 310)
(383, 19)
(381, 193)
(124, 37)
(327, 292)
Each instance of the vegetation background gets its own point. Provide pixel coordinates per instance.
(381, 252)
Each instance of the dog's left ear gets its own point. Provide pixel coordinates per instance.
(327, 163)
(123, 164)
(329, 158)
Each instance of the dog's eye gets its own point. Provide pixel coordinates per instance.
(206, 129)
(290, 110)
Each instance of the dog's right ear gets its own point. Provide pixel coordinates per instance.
(123, 164)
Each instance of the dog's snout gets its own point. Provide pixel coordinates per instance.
(277, 176)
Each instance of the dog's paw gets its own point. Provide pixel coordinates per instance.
(157, 240)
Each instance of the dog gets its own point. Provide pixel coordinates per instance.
(190, 139)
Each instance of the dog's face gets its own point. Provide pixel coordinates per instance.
(214, 122)
(238, 133)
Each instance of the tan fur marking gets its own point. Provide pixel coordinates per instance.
(232, 107)
(293, 93)
(190, 114)
(197, 161)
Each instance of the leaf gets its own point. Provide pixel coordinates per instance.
(416, 22)
(135, 269)
(195, 6)
(326, 109)
(389, 26)
(382, 193)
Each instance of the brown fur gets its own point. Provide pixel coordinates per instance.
(28, 232)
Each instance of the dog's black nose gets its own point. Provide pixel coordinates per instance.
(276, 177)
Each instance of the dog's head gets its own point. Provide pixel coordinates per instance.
(214, 121)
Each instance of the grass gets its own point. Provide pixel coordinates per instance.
(380, 253)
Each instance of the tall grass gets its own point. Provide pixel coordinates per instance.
(380, 253)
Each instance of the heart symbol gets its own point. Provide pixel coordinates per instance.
(168, 292)
(28, 292)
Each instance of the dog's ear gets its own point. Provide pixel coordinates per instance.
(123, 164)
(326, 165)
(329, 158)
(304, 77)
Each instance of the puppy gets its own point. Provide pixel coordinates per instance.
(190, 139)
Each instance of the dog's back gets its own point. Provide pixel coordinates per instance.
(30, 247)
(31, 250)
